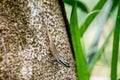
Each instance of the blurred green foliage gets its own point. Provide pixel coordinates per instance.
(77, 31)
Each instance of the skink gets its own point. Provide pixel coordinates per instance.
(55, 53)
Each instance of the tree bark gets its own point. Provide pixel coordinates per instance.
(24, 43)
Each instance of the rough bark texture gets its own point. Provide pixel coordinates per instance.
(24, 43)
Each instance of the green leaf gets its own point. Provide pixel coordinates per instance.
(103, 19)
(100, 52)
(81, 63)
(99, 5)
(115, 4)
(91, 17)
(86, 23)
(79, 4)
(115, 47)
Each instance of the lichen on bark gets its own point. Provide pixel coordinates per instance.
(24, 43)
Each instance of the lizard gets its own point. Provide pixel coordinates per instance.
(54, 51)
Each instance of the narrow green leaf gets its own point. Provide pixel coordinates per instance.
(100, 52)
(79, 4)
(99, 5)
(115, 47)
(81, 63)
(115, 4)
(89, 19)
(103, 19)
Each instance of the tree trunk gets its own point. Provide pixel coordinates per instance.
(24, 43)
